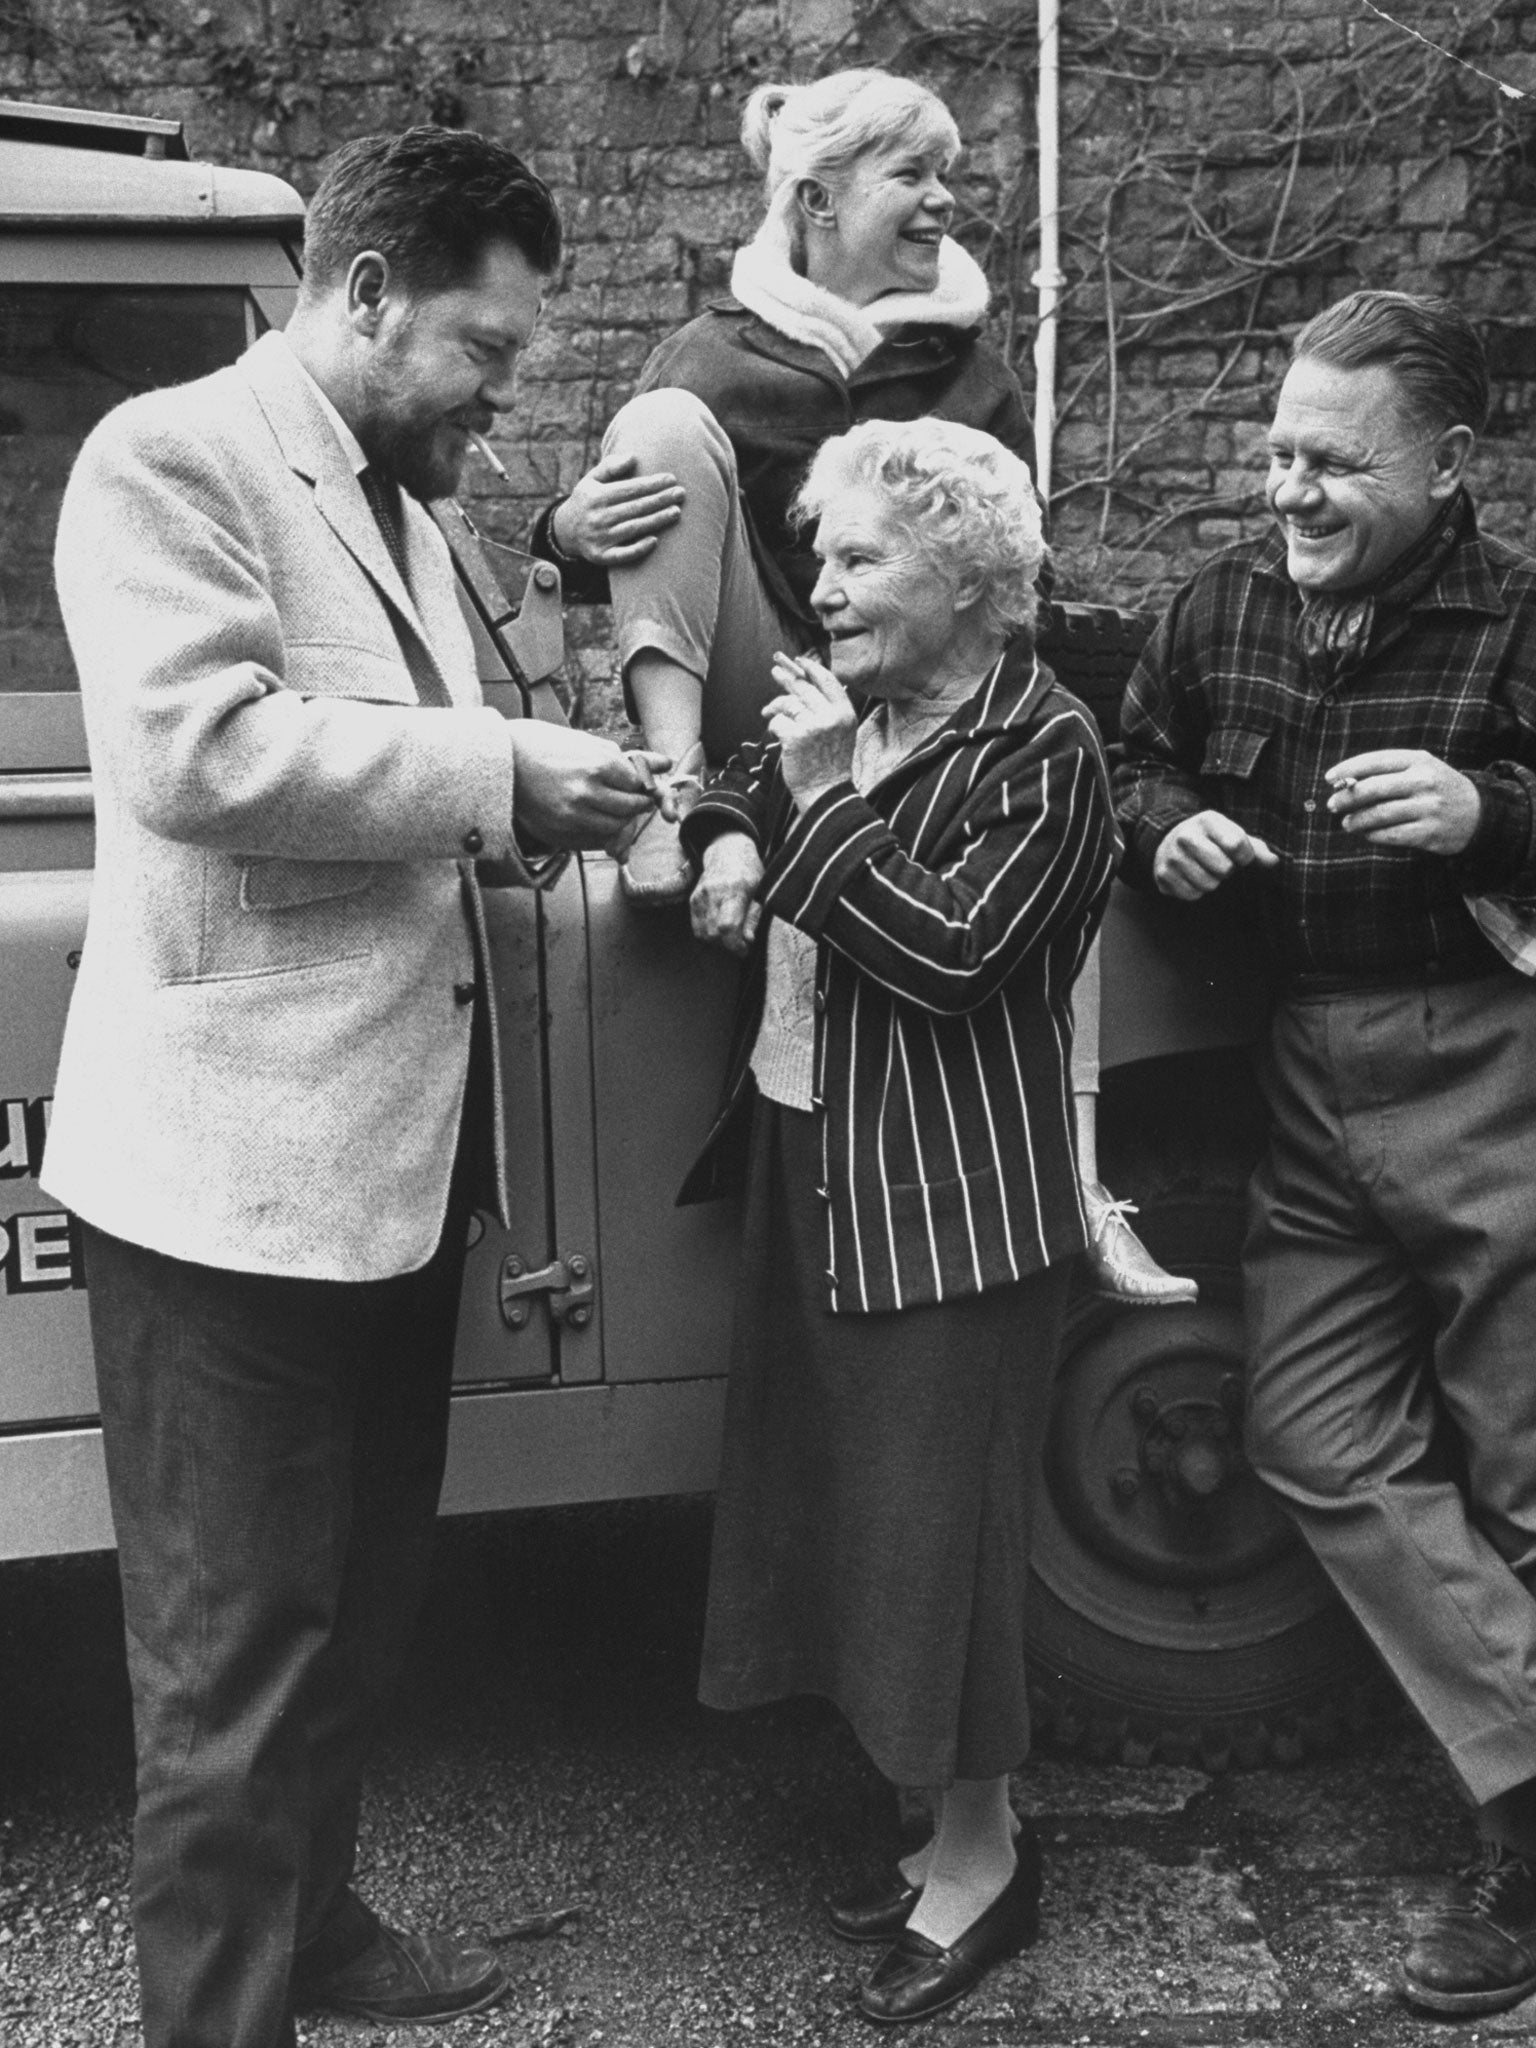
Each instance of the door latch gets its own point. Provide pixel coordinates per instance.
(568, 1282)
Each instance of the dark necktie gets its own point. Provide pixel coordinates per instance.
(383, 496)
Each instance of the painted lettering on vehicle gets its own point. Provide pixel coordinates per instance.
(23, 1127)
(40, 1250)
(40, 1253)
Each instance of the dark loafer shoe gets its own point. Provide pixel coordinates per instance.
(916, 1977)
(410, 1977)
(875, 1912)
(1479, 1952)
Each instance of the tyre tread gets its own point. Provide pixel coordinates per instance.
(1068, 1719)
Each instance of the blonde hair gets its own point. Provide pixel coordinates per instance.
(967, 502)
(818, 130)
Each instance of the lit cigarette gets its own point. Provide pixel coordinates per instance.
(491, 456)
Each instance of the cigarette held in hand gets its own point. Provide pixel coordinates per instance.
(647, 774)
(484, 447)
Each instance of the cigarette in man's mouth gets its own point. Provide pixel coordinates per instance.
(491, 456)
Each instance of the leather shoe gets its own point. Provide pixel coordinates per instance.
(916, 1977)
(1479, 1952)
(398, 1976)
(874, 1912)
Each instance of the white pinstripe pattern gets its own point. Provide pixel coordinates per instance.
(922, 1172)
(997, 1157)
(958, 893)
(885, 1178)
(954, 1139)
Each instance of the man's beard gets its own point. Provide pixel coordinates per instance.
(401, 438)
(405, 448)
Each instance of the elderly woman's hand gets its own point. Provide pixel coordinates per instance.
(723, 906)
(813, 720)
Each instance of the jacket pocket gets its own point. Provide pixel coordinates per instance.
(268, 916)
(943, 1207)
(277, 884)
(1233, 751)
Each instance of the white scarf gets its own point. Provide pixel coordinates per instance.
(767, 284)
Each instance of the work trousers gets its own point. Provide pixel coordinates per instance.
(274, 1451)
(1390, 1273)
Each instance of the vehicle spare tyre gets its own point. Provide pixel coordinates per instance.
(1173, 1613)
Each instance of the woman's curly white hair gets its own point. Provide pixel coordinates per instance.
(968, 503)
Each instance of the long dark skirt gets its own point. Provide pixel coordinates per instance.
(872, 1527)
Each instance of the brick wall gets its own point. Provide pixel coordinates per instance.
(1230, 171)
(1228, 168)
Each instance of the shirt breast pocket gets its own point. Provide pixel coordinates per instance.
(1234, 753)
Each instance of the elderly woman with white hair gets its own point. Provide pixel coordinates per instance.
(928, 877)
(851, 303)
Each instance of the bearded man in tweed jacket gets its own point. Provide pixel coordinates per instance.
(278, 1099)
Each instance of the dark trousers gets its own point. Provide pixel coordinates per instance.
(1391, 1285)
(275, 1452)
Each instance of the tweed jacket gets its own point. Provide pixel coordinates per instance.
(952, 908)
(266, 1053)
(778, 400)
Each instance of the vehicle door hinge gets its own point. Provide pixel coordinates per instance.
(568, 1282)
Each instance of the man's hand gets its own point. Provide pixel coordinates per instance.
(572, 789)
(723, 906)
(1401, 796)
(613, 516)
(1197, 856)
(813, 720)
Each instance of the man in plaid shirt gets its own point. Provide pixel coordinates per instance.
(1337, 726)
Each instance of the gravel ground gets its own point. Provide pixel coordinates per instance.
(547, 1752)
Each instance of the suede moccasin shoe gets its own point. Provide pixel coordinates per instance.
(1120, 1267)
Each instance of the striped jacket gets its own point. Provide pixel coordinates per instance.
(952, 907)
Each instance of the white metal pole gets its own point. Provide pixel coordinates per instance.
(1048, 279)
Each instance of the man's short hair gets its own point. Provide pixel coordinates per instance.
(431, 201)
(1428, 344)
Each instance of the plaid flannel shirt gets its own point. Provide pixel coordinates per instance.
(1224, 712)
